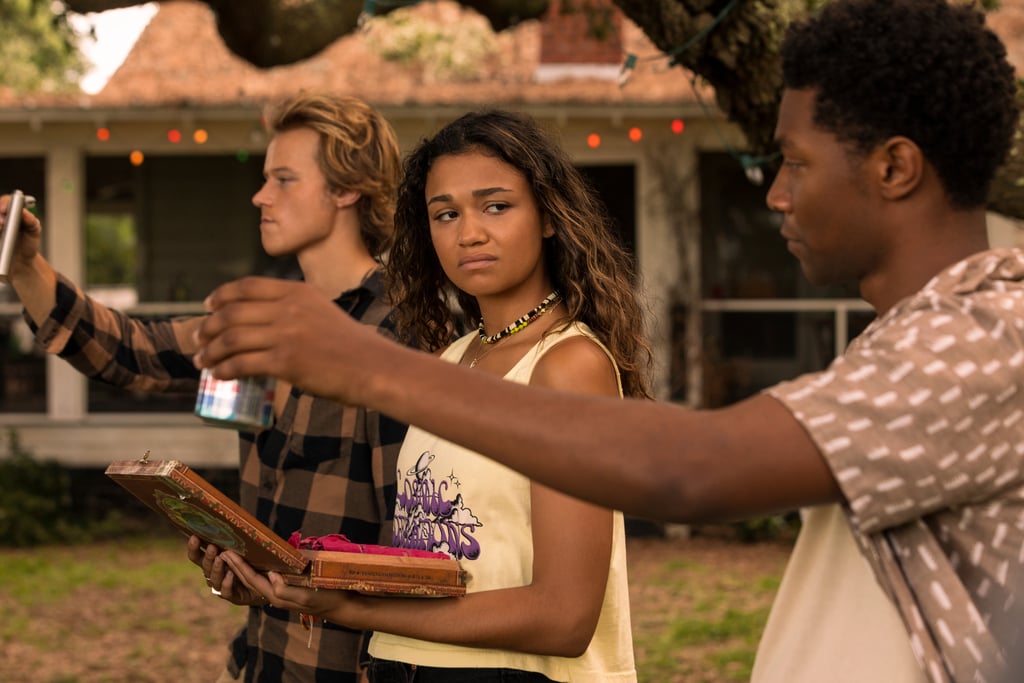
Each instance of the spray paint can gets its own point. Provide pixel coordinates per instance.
(244, 404)
(12, 226)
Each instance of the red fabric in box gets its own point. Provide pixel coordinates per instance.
(340, 542)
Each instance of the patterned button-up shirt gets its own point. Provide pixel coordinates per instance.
(323, 468)
(922, 423)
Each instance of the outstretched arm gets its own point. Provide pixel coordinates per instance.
(650, 459)
(31, 276)
(99, 342)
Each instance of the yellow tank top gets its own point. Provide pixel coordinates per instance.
(455, 500)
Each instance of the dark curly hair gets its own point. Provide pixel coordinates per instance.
(584, 259)
(923, 69)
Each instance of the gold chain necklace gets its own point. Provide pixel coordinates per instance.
(476, 358)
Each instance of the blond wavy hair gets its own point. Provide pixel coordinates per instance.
(358, 152)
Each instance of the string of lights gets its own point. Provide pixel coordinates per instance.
(175, 136)
(752, 165)
(631, 60)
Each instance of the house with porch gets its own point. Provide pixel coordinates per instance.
(145, 186)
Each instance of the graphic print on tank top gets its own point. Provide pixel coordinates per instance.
(431, 515)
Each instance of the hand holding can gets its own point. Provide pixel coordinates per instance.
(12, 226)
(244, 404)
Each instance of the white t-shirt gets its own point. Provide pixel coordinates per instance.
(831, 621)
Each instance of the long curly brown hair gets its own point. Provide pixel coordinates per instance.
(584, 258)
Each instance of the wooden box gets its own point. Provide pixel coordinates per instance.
(195, 506)
(370, 573)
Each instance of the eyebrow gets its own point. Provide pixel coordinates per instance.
(278, 169)
(484, 192)
(783, 142)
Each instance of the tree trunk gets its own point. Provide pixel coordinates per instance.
(733, 45)
(739, 57)
(1007, 195)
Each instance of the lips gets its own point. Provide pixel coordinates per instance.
(475, 261)
(788, 235)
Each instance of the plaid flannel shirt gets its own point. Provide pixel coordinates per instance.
(323, 468)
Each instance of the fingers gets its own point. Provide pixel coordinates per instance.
(236, 316)
(207, 558)
(245, 572)
(203, 557)
(270, 586)
(258, 325)
(221, 352)
(227, 586)
(248, 289)
(219, 577)
(283, 329)
(241, 574)
(212, 564)
(235, 590)
(301, 599)
(29, 222)
(195, 551)
(240, 327)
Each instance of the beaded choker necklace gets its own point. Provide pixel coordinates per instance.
(520, 323)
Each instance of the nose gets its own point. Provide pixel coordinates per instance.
(260, 199)
(778, 198)
(471, 230)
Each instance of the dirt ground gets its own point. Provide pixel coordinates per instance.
(711, 580)
(178, 633)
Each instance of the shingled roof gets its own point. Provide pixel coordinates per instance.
(179, 60)
(1008, 23)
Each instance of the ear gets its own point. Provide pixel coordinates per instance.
(899, 167)
(547, 230)
(345, 199)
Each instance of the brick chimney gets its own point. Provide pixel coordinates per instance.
(568, 47)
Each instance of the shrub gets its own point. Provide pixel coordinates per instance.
(35, 499)
(769, 528)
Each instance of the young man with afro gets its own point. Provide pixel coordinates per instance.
(906, 453)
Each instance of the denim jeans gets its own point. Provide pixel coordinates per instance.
(386, 671)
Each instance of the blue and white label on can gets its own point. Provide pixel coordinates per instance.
(245, 404)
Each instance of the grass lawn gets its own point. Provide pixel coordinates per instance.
(137, 611)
